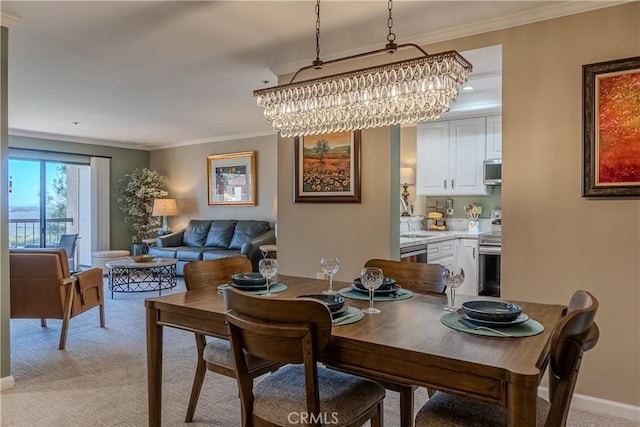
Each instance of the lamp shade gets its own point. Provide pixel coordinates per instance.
(407, 176)
(164, 207)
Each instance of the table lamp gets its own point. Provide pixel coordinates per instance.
(407, 177)
(164, 208)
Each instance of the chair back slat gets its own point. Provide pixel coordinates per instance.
(284, 330)
(214, 272)
(418, 277)
(574, 334)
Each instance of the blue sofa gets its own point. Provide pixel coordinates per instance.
(213, 239)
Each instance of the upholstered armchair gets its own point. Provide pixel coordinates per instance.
(42, 287)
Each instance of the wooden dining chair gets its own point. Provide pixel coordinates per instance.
(574, 334)
(293, 332)
(420, 278)
(214, 354)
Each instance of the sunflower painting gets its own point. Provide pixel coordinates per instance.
(612, 128)
(328, 167)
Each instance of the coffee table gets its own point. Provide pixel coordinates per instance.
(126, 275)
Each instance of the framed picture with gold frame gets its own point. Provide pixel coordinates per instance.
(327, 168)
(611, 107)
(232, 179)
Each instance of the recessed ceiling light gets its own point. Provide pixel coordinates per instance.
(468, 88)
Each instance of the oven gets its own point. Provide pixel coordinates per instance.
(414, 253)
(489, 250)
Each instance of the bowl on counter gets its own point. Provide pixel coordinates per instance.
(494, 311)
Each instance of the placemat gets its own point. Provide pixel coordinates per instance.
(275, 289)
(526, 329)
(400, 295)
(352, 315)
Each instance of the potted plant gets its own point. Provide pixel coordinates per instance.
(140, 188)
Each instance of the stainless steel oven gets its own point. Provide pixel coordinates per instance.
(415, 253)
(489, 251)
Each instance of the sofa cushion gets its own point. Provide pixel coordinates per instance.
(220, 233)
(163, 252)
(219, 253)
(196, 233)
(247, 230)
(185, 253)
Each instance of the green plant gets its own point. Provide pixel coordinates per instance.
(140, 188)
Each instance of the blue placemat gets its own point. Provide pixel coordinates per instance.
(526, 329)
(352, 315)
(399, 295)
(275, 289)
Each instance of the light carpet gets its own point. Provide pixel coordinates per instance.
(101, 379)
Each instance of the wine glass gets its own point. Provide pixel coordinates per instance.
(330, 267)
(268, 267)
(453, 277)
(371, 278)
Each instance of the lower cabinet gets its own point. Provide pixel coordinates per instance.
(442, 253)
(467, 258)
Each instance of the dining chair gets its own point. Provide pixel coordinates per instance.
(420, 278)
(68, 242)
(572, 335)
(294, 331)
(214, 353)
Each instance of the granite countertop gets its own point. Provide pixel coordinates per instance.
(425, 237)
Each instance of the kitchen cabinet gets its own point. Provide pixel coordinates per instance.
(442, 253)
(450, 156)
(467, 258)
(494, 137)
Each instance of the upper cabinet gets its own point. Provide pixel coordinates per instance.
(450, 156)
(494, 137)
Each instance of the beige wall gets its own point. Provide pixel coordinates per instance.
(186, 169)
(554, 240)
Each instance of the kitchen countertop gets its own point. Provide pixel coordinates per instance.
(425, 237)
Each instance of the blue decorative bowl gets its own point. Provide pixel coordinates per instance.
(387, 284)
(334, 302)
(248, 279)
(494, 311)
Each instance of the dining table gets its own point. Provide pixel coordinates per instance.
(405, 343)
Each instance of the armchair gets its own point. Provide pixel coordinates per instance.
(42, 287)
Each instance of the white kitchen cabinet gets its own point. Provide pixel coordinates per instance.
(442, 253)
(494, 137)
(467, 258)
(450, 156)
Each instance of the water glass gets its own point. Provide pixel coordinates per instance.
(453, 277)
(371, 278)
(268, 267)
(330, 267)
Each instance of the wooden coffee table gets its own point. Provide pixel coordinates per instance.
(127, 275)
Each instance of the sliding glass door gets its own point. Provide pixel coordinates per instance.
(45, 202)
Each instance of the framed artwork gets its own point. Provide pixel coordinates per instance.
(611, 145)
(232, 179)
(327, 168)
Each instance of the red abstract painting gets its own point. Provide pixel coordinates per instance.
(618, 128)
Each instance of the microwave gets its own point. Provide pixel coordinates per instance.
(492, 172)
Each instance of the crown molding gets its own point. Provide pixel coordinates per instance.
(529, 17)
(77, 140)
(8, 20)
(213, 139)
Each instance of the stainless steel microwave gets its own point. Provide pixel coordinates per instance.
(492, 172)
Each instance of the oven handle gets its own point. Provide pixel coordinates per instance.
(489, 250)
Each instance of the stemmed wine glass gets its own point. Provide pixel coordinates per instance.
(330, 267)
(371, 278)
(268, 267)
(453, 277)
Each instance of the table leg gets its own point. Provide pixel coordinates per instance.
(521, 406)
(154, 368)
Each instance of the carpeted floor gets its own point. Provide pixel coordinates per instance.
(100, 379)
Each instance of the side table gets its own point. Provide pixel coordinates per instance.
(268, 249)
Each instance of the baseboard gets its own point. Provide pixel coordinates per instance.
(6, 383)
(596, 405)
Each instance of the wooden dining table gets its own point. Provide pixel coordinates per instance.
(406, 343)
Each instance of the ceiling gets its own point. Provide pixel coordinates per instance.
(154, 74)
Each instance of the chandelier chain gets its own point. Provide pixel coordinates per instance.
(317, 64)
(391, 37)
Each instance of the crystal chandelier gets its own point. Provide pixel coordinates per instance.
(406, 91)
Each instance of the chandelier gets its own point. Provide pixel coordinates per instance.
(406, 91)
